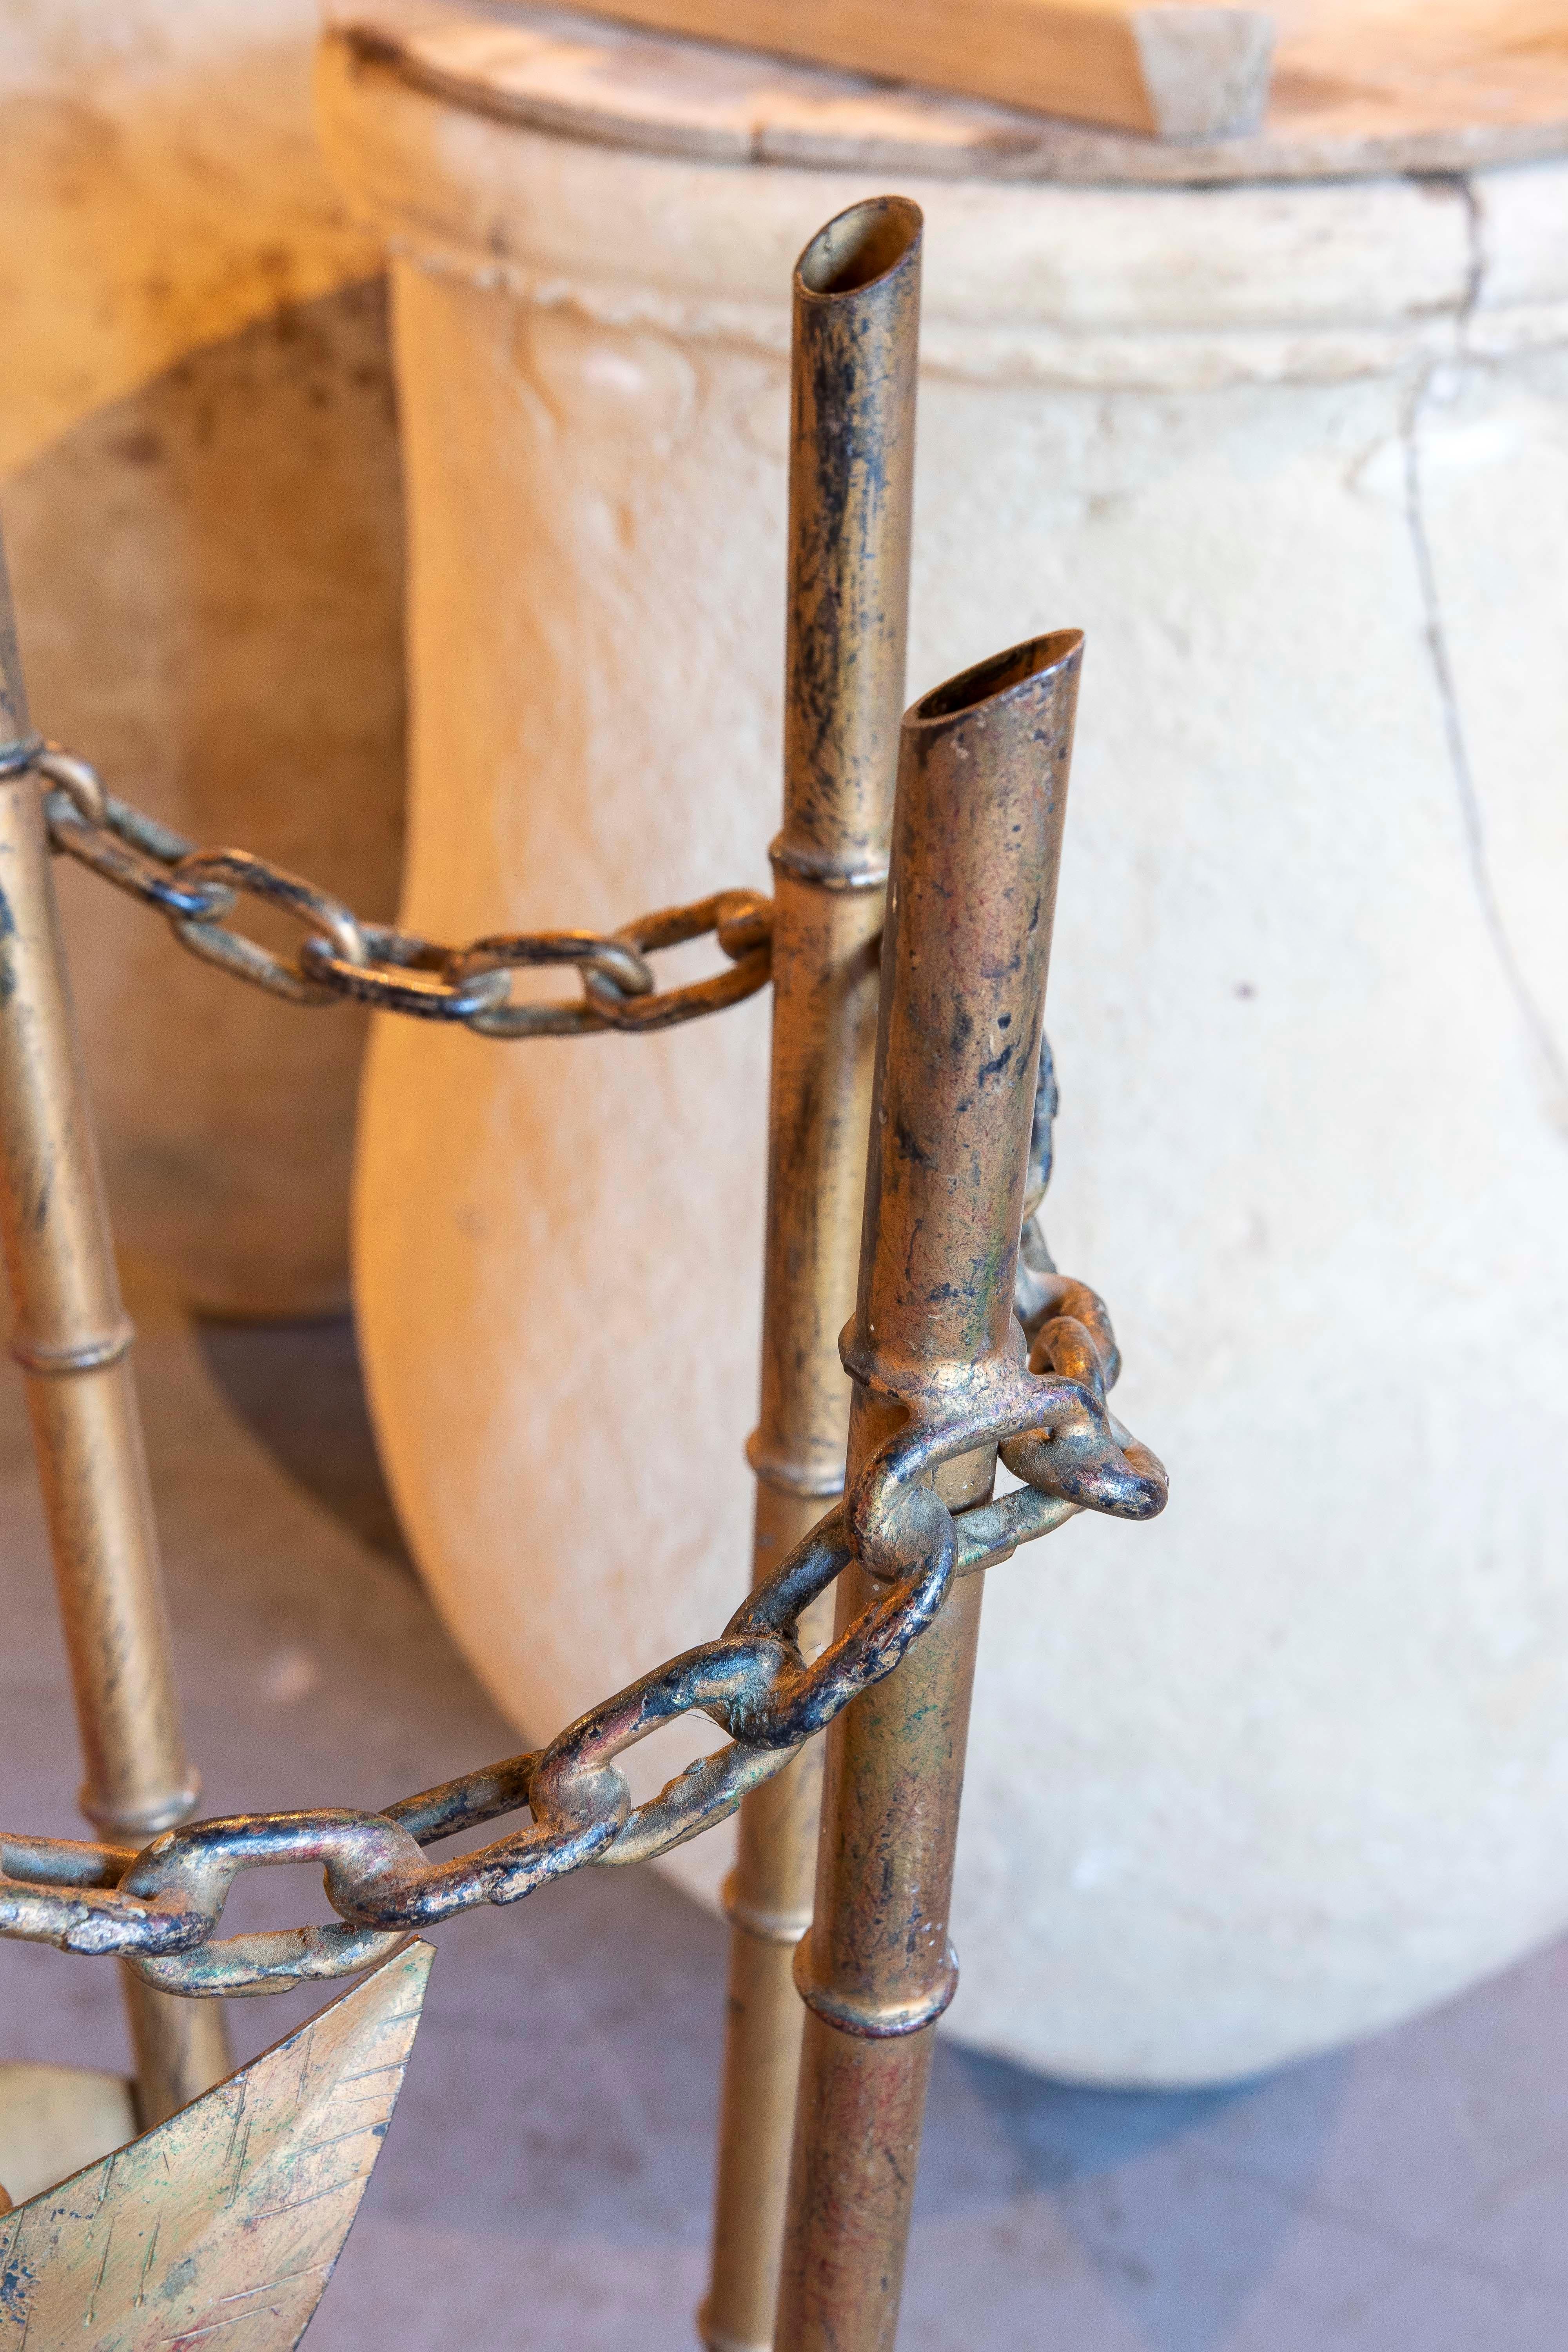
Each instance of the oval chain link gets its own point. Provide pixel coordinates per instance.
(343, 959)
(158, 1908)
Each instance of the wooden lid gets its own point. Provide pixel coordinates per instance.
(1360, 85)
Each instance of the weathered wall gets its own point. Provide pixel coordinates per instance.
(201, 501)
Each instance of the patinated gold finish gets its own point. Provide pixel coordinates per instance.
(223, 2225)
(976, 843)
(856, 321)
(955, 1363)
(72, 1340)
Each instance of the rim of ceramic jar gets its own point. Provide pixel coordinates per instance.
(1164, 287)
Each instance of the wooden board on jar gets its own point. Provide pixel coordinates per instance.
(1357, 87)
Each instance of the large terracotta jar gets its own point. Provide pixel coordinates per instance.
(1292, 445)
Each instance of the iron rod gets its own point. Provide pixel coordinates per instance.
(976, 843)
(856, 319)
(72, 1340)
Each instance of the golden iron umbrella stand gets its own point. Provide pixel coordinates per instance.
(72, 1339)
(945, 1378)
(852, 418)
(976, 843)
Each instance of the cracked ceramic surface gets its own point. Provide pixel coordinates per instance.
(1296, 458)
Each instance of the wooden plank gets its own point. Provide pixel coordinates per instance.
(1171, 67)
(1352, 94)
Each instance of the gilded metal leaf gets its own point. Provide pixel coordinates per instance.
(220, 2228)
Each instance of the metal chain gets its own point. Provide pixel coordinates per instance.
(344, 959)
(1043, 1404)
(1035, 1264)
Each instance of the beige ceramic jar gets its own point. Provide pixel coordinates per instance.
(1293, 1762)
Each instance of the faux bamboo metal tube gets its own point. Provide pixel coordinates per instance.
(856, 317)
(976, 843)
(72, 1340)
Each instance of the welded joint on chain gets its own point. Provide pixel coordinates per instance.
(990, 1533)
(86, 1356)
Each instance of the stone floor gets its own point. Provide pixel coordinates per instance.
(546, 2180)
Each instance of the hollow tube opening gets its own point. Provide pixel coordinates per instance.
(994, 676)
(858, 246)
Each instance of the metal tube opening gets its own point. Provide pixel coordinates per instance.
(858, 246)
(994, 676)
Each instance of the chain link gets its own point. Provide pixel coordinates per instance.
(1044, 1405)
(394, 971)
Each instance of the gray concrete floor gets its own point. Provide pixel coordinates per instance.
(546, 2179)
